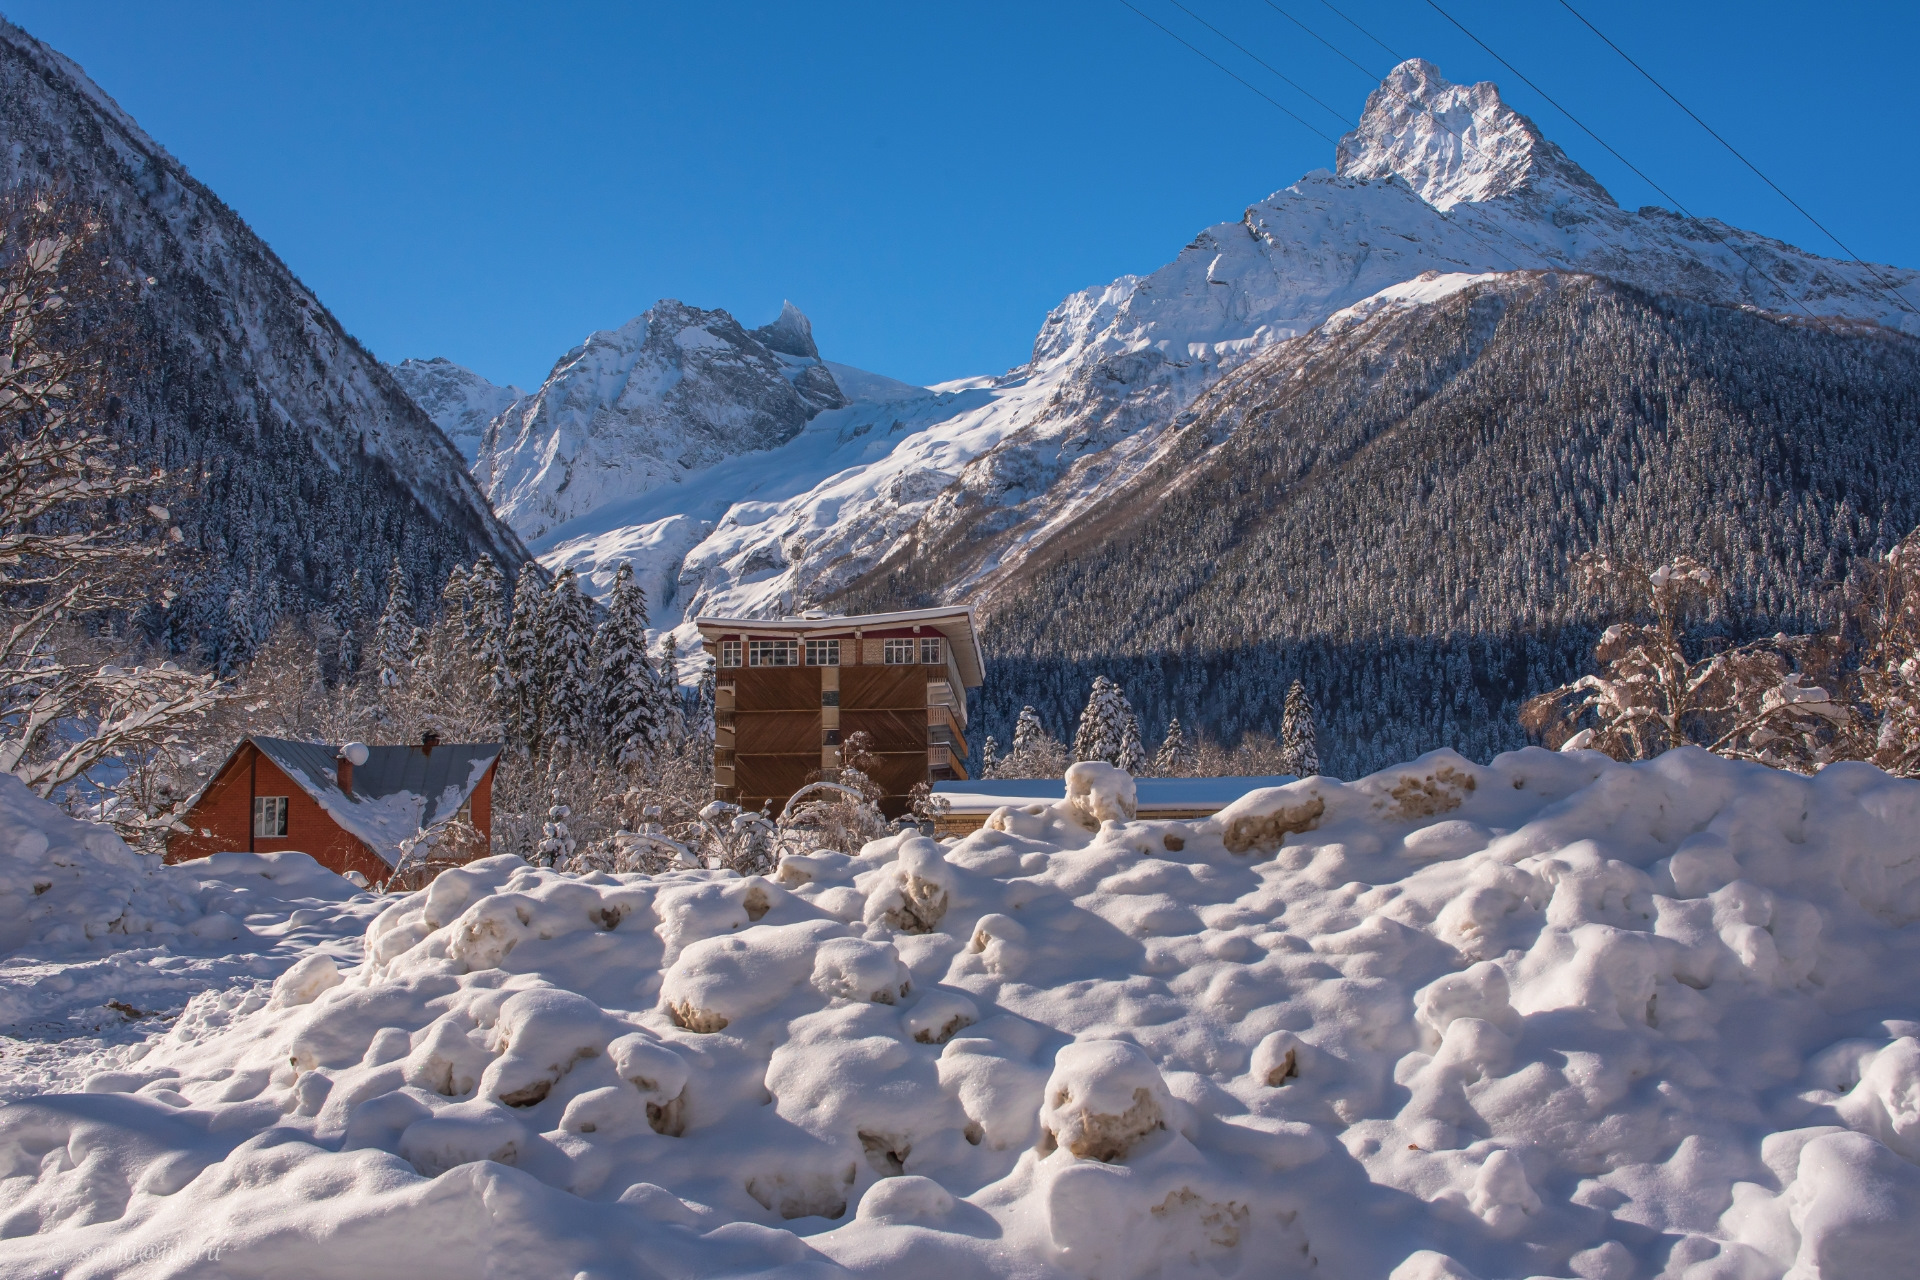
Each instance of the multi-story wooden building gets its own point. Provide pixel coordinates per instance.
(788, 691)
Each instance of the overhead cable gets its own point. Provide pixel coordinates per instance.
(1276, 105)
(1895, 293)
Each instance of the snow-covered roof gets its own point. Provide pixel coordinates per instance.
(983, 795)
(955, 622)
(398, 792)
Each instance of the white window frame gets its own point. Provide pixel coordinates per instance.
(729, 653)
(270, 817)
(930, 652)
(785, 652)
(898, 653)
(823, 653)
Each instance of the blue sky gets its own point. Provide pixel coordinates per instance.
(490, 182)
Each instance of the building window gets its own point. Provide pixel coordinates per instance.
(269, 815)
(930, 653)
(899, 653)
(773, 653)
(729, 653)
(823, 653)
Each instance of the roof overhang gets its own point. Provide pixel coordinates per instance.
(955, 622)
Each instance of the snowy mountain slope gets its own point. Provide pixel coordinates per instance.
(249, 372)
(672, 391)
(1438, 180)
(1551, 1016)
(460, 401)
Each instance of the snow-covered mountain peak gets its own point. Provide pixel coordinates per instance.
(460, 401)
(1453, 142)
(667, 393)
(791, 334)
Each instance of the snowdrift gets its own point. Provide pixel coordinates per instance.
(1554, 1016)
(97, 941)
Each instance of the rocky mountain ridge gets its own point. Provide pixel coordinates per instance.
(311, 462)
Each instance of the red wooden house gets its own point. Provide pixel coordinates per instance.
(351, 807)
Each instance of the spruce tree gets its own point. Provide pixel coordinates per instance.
(1103, 723)
(485, 628)
(1027, 731)
(1299, 739)
(564, 629)
(393, 633)
(521, 670)
(1174, 757)
(1132, 755)
(628, 703)
(989, 756)
(666, 687)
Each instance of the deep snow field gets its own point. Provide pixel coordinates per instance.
(1555, 1016)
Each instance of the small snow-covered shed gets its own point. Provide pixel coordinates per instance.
(352, 807)
(970, 804)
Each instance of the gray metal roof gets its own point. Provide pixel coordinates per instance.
(397, 792)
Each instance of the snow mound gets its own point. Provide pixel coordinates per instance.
(1550, 1016)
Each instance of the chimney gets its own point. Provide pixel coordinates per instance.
(351, 754)
(428, 741)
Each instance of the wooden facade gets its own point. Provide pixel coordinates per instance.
(790, 691)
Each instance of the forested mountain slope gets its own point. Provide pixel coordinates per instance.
(1387, 508)
(309, 462)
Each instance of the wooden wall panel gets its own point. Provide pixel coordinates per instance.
(775, 778)
(891, 730)
(777, 689)
(901, 688)
(776, 732)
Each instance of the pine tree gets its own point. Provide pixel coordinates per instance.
(556, 838)
(1174, 758)
(703, 701)
(565, 635)
(989, 756)
(673, 708)
(242, 636)
(393, 633)
(1132, 755)
(1299, 745)
(453, 601)
(348, 593)
(522, 691)
(1103, 723)
(629, 707)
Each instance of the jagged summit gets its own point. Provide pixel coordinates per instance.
(791, 334)
(1453, 143)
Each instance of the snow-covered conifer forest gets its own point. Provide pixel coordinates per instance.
(1565, 558)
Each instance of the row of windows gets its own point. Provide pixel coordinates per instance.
(826, 653)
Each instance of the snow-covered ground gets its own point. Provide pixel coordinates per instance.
(1555, 1016)
(101, 948)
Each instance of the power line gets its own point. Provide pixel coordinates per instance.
(1363, 31)
(1242, 48)
(1322, 39)
(1617, 156)
(1302, 123)
(1895, 295)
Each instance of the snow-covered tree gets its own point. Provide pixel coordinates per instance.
(567, 681)
(1173, 759)
(484, 629)
(672, 707)
(1027, 730)
(81, 532)
(1036, 753)
(1299, 735)
(1103, 723)
(1657, 687)
(989, 756)
(1132, 755)
(631, 703)
(556, 839)
(521, 669)
(393, 633)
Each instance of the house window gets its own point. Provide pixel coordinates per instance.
(269, 815)
(823, 653)
(773, 653)
(899, 653)
(729, 653)
(930, 653)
